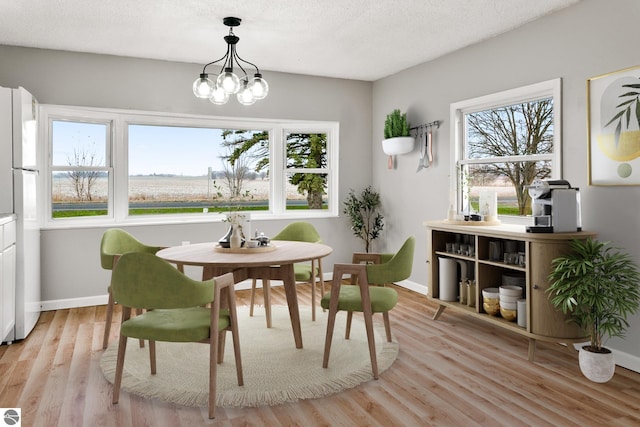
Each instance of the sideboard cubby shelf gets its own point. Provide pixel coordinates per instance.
(529, 261)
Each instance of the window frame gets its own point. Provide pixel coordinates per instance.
(546, 89)
(117, 155)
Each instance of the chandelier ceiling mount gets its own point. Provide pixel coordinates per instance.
(247, 89)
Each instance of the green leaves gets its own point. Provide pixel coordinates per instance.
(597, 286)
(366, 221)
(627, 106)
(396, 125)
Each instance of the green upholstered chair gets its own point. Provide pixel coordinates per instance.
(362, 297)
(305, 272)
(114, 243)
(176, 312)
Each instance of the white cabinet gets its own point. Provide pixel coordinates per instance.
(7, 277)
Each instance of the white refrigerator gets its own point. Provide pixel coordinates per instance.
(19, 193)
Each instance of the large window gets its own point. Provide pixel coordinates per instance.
(502, 143)
(177, 169)
(120, 166)
(80, 168)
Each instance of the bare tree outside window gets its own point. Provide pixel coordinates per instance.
(235, 168)
(502, 135)
(83, 181)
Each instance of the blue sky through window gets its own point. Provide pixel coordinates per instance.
(174, 150)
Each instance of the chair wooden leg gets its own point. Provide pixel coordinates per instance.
(122, 348)
(347, 329)
(331, 321)
(253, 296)
(222, 337)
(387, 325)
(368, 322)
(107, 322)
(213, 366)
(139, 312)
(235, 336)
(152, 356)
(266, 290)
(333, 310)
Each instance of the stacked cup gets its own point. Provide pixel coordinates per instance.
(509, 296)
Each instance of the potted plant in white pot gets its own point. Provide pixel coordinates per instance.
(397, 134)
(597, 286)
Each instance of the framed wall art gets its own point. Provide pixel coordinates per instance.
(613, 120)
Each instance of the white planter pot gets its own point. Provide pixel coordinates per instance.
(598, 367)
(398, 145)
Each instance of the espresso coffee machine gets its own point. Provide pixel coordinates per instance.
(555, 207)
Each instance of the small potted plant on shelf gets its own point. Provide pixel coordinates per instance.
(397, 134)
(597, 286)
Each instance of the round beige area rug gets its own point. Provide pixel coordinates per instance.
(275, 371)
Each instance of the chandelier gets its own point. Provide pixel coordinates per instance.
(227, 83)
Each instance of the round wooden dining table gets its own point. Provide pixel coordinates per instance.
(274, 262)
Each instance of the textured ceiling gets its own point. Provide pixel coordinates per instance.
(353, 39)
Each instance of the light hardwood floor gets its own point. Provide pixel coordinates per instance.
(450, 372)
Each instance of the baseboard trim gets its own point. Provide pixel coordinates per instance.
(413, 286)
(626, 360)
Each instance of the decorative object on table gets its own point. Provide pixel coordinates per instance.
(425, 132)
(238, 232)
(613, 103)
(306, 272)
(487, 214)
(262, 239)
(366, 221)
(252, 244)
(227, 82)
(245, 249)
(278, 372)
(360, 296)
(113, 244)
(597, 286)
(489, 205)
(236, 240)
(397, 136)
(179, 309)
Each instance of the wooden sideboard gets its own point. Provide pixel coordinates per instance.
(544, 322)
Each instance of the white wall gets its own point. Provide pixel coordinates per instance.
(71, 273)
(586, 40)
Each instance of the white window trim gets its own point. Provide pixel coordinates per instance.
(549, 88)
(117, 154)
